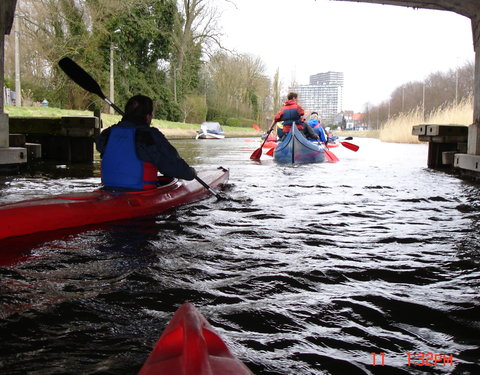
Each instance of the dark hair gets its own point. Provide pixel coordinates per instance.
(292, 95)
(137, 109)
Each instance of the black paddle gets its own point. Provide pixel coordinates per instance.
(86, 81)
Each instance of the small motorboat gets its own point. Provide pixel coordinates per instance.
(210, 130)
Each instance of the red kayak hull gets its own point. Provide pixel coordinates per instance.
(190, 346)
(270, 144)
(79, 209)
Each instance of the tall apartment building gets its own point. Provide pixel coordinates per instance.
(324, 95)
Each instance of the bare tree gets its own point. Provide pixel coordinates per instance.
(437, 90)
(196, 32)
(277, 103)
(238, 86)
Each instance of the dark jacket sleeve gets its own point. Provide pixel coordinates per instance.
(101, 141)
(153, 147)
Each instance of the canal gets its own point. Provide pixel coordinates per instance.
(367, 266)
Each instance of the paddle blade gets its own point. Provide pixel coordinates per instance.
(331, 157)
(256, 127)
(350, 146)
(256, 154)
(80, 76)
(270, 152)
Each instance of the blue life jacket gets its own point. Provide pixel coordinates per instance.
(120, 165)
(291, 115)
(321, 133)
(313, 122)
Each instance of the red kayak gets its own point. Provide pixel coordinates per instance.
(99, 206)
(270, 144)
(189, 346)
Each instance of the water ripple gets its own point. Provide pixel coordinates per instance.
(305, 270)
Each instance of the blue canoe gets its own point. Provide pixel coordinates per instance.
(295, 148)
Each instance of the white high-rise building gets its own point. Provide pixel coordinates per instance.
(324, 95)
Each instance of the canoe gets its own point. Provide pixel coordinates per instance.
(295, 148)
(190, 346)
(99, 206)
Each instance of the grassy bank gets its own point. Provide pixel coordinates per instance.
(397, 129)
(169, 128)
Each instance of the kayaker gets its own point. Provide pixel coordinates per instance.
(317, 127)
(133, 152)
(292, 113)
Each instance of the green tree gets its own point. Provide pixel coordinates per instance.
(142, 36)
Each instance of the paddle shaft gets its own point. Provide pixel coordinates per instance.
(87, 82)
(109, 102)
(268, 133)
(205, 185)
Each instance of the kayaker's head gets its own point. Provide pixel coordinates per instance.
(314, 115)
(292, 96)
(139, 110)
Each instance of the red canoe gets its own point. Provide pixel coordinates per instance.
(189, 346)
(99, 206)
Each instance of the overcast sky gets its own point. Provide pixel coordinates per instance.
(377, 47)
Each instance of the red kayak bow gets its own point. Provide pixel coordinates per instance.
(189, 346)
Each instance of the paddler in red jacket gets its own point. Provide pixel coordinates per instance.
(292, 113)
(133, 152)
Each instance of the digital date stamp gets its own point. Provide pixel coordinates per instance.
(417, 359)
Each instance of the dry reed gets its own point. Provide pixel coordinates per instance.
(399, 128)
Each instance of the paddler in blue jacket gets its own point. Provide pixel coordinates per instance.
(317, 127)
(133, 152)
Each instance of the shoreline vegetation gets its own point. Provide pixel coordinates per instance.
(397, 129)
(171, 130)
